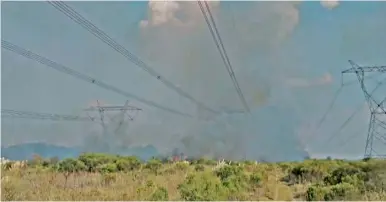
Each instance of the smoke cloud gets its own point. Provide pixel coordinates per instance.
(330, 4)
(194, 63)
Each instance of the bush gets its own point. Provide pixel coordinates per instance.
(338, 192)
(95, 160)
(199, 168)
(204, 161)
(343, 174)
(316, 193)
(202, 186)
(128, 164)
(71, 165)
(305, 173)
(342, 192)
(182, 166)
(233, 178)
(107, 168)
(227, 171)
(255, 179)
(160, 194)
(154, 165)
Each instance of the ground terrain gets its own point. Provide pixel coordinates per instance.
(108, 177)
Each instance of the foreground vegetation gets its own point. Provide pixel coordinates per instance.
(108, 177)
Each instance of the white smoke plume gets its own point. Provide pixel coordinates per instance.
(326, 79)
(176, 38)
(330, 4)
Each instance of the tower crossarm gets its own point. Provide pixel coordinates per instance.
(112, 108)
(366, 69)
(125, 108)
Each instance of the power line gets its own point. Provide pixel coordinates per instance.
(379, 84)
(336, 95)
(352, 115)
(227, 62)
(8, 113)
(63, 69)
(329, 107)
(79, 19)
(220, 46)
(333, 101)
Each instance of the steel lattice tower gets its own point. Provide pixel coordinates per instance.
(110, 130)
(377, 125)
(123, 109)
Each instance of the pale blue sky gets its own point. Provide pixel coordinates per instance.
(319, 43)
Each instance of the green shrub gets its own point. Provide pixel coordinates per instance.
(128, 164)
(182, 166)
(247, 162)
(71, 165)
(338, 192)
(316, 193)
(199, 168)
(204, 161)
(255, 179)
(342, 192)
(305, 173)
(343, 174)
(233, 178)
(227, 171)
(160, 194)
(202, 186)
(107, 168)
(154, 165)
(95, 160)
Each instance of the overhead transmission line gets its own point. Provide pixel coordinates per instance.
(63, 69)
(79, 19)
(335, 97)
(8, 113)
(379, 84)
(220, 46)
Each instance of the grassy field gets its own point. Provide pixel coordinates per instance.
(107, 177)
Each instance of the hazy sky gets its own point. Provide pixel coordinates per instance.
(287, 56)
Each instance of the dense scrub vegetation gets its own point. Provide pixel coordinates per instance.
(111, 177)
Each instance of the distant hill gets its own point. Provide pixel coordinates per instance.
(27, 150)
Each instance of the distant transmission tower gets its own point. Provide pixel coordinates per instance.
(377, 125)
(124, 112)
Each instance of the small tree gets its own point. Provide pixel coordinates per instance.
(95, 160)
(69, 166)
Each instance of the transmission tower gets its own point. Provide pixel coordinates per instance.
(124, 112)
(377, 126)
(117, 115)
